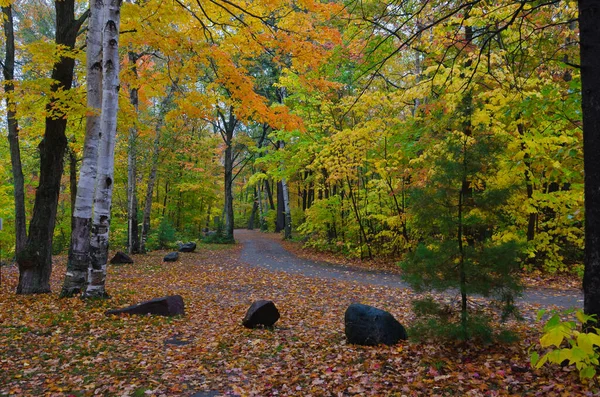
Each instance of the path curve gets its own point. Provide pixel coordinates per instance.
(259, 250)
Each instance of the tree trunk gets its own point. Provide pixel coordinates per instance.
(79, 260)
(133, 238)
(153, 171)
(287, 230)
(35, 260)
(255, 204)
(73, 181)
(589, 28)
(280, 219)
(13, 131)
(106, 154)
(287, 213)
(228, 210)
(269, 195)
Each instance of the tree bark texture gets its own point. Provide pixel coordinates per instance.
(75, 281)
(280, 219)
(133, 238)
(35, 260)
(106, 151)
(229, 128)
(589, 28)
(13, 131)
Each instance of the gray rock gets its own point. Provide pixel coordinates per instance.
(171, 305)
(369, 326)
(120, 258)
(171, 257)
(261, 312)
(188, 247)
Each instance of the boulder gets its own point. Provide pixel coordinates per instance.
(171, 257)
(261, 312)
(171, 305)
(187, 247)
(120, 258)
(369, 326)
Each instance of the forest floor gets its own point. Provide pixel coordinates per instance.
(68, 347)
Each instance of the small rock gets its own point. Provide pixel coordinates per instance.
(120, 258)
(188, 247)
(171, 257)
(171, 305)
(369, 326)
(261, 312)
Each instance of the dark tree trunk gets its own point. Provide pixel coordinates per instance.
(35, 261)
(133, 230)
(280, 220)
(13, 131)
(254, 210)
(227, 133)
(589, 28)
(269, 195)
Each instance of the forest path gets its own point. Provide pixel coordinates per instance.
(262, 250)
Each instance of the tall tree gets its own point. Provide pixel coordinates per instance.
(35, 260)
(13, 129)
(106, 154)
(79, 254)
(133, 236)
(589, 36)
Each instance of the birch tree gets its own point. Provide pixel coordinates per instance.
(106, 151)
(79, 259)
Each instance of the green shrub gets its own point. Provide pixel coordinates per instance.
(566, 344)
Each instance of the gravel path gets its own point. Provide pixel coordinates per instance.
(261, 251)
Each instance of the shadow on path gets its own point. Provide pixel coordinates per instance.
(259, 250)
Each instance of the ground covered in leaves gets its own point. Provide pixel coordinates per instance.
(68, 347)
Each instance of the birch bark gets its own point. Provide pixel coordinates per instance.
(106, 151)
(79, 260)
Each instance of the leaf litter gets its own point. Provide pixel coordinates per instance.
(68, 347)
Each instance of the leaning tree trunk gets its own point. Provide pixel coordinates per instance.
(35, 260)
(13, 131)
(589, 28)
(106, 154)
(133, 238)
(78, 263)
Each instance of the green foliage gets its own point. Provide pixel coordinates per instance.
(163, 237)
(218, 237)
(441, 322)
(570, 342)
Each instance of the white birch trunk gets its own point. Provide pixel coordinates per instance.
(79, 260)
(104, 185)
